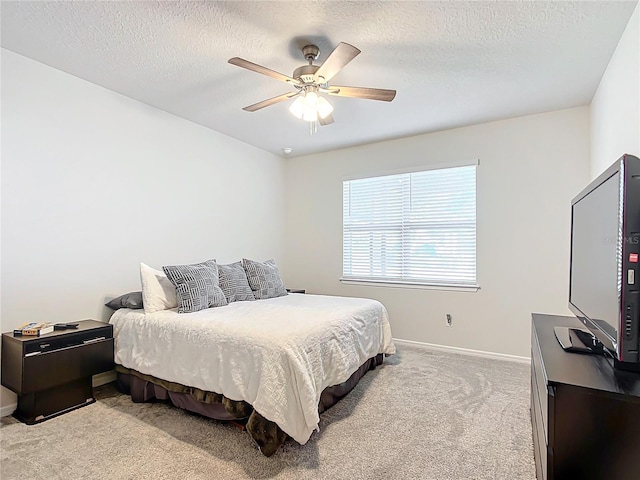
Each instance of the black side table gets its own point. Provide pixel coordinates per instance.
(51, 374)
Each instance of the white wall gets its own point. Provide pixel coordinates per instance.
(93, 183)
(615, 108)
(530, 168)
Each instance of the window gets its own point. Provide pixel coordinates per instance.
(411, 228)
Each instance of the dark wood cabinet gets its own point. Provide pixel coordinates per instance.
(585, 415)
(51, 374)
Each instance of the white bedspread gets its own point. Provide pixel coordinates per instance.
(277, 354)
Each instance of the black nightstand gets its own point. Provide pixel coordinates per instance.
(293, 290)
(51, 374)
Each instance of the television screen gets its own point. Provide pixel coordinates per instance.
(596, 256)
(604, 286)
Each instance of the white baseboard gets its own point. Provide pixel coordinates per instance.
(465, 351)
(103, 378)
(8, 409)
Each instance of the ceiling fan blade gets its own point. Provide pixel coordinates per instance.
(254, 67)
(362, 92)
(270, 101)
(336, 61)
(328, 120)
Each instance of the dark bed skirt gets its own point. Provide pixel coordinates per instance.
(268, 436)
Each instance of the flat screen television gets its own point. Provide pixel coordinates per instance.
(604, 284)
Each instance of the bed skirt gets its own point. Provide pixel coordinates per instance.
(268, 435)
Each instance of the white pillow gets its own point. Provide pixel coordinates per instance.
(158, 293)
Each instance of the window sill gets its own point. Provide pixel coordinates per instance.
(415, 285)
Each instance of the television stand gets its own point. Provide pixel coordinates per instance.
(585, 414)
(579, 340)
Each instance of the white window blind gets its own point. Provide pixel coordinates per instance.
(414, 228)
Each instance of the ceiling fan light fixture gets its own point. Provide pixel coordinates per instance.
(310, 106)
(298, 107)
(324, 107)
(311, 99)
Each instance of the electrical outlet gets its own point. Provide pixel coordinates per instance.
(449, 320)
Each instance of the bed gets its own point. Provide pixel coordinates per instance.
(278, 362)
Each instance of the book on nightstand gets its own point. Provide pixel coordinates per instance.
(33, 329)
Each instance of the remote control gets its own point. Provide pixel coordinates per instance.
(65, 326)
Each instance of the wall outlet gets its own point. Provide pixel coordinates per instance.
(449, 320)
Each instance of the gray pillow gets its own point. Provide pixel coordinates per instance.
(264, 279)
(196, 285)
(128, 300)
(234, 283)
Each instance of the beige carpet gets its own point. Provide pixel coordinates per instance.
(422, 415)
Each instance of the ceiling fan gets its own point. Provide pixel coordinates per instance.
(311, 80)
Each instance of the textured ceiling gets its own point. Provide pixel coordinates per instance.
(452, 63)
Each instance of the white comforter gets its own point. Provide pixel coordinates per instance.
(277, 354)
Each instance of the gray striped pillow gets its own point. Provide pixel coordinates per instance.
(264, 279)
(234, 283)
(196, 285)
